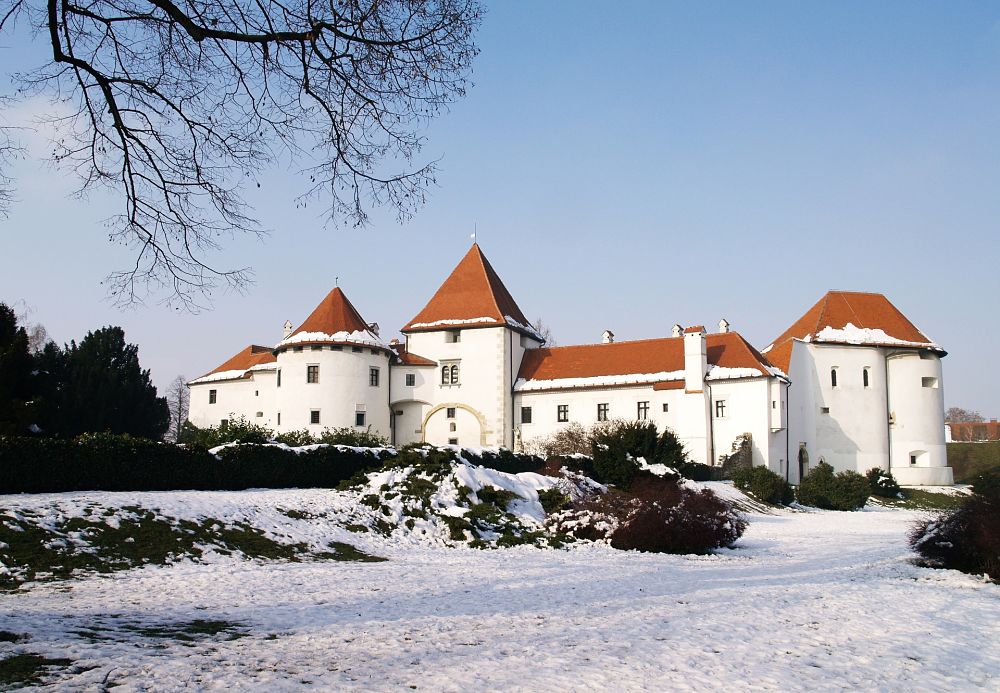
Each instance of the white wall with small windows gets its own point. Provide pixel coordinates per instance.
(333, 381)
(243, 397)
(876, 414)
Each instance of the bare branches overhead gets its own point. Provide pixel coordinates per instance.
(179, 105)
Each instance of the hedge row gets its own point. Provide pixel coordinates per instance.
(106, 462)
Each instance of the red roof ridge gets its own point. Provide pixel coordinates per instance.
(473, 295)
(335, 314)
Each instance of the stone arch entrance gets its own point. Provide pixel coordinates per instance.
(458, 407)
(803, 461)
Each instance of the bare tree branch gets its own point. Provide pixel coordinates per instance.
(179, 106)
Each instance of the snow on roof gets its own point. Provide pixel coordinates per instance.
(637, 362)
(252, 358)
(850, 317)
(472, 295)
(335, 320)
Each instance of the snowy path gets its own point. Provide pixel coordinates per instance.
(810, 601)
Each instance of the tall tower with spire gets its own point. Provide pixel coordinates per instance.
(475, 333)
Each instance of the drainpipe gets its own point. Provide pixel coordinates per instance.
(711, 425)
(788, 426)
(510, 351)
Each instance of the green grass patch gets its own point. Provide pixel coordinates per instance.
(918, 499)
(27, 668)
(346, 552)
(190, 631)
(84, 545)
(969, 460)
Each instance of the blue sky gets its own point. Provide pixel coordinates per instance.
(628, 166)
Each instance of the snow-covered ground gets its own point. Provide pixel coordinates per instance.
(806, 601)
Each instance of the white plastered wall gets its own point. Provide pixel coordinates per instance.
(245, 397)
(916, 406)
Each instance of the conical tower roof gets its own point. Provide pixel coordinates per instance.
(334, 320)
(472, 296)
(850, 317)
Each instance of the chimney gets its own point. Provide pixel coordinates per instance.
(677, 331)
(393, 342)
(608, 337)
(373, 328)
(723, 326)
(695, 359)
(288, 329)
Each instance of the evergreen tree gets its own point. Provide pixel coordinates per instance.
(106, 390)
(16, 410)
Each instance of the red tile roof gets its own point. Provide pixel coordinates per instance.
(473, 290)
(334, 314)
(836, 310)
(725, 350)
(253, 355)
(693, 329)
(407, 358)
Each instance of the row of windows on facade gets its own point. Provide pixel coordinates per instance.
(604, 411)
(334, 347)
(866, 378)
(314, 418)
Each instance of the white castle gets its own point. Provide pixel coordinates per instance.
(852, 382)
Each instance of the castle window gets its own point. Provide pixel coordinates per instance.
(865, 380)
(256, 393)
(449, 374)
(562, 413)
(336, 347)
(411, 379)
(929, 382)
(312, 373)
(279, 418)
(450, 412)
(824, 410)
(602, 411)
(833, 377)
(642, 411)
(720, 408)
(316, 347)
(453, 441)
(224, 423)
(373, 377)
(452, 427)
(525, 415)
(298, 348)
(260, 414)
(279, 377)
(357, 350)
(359, 418)
(213, 396)
(453, 336)
(666, 407)
(314, 416)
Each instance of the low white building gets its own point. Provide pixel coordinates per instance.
(866, 390)
(473, 371)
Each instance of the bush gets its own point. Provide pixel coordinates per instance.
(987, 485)
(966, 539)
(696, 471)
(764, 485)
(572, 439)
(295, 439)
(108, 462)
(353, 437)
(660, 515)
(238, 430)
(822, 488)
(882, 483)
(503, 460)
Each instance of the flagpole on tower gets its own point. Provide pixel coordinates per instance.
(475, 231)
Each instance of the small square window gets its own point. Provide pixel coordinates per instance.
(525, 415)
(411, 379)
(359, 418)
(213, 396)
(913, 459)
(602, 411)
(336, 347)
(316, 347)
(450, 412)
(824, 410)
(562, 413)
(929, 382)
(642, 411)
(224, 423)
(666, 407)
(453, 441)
(373, 377)
(720, 408)
(453, 337)
(314, 416)
(298, 348)
(357, 350)
(312, 373)
(452, 427)
(260, 414)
